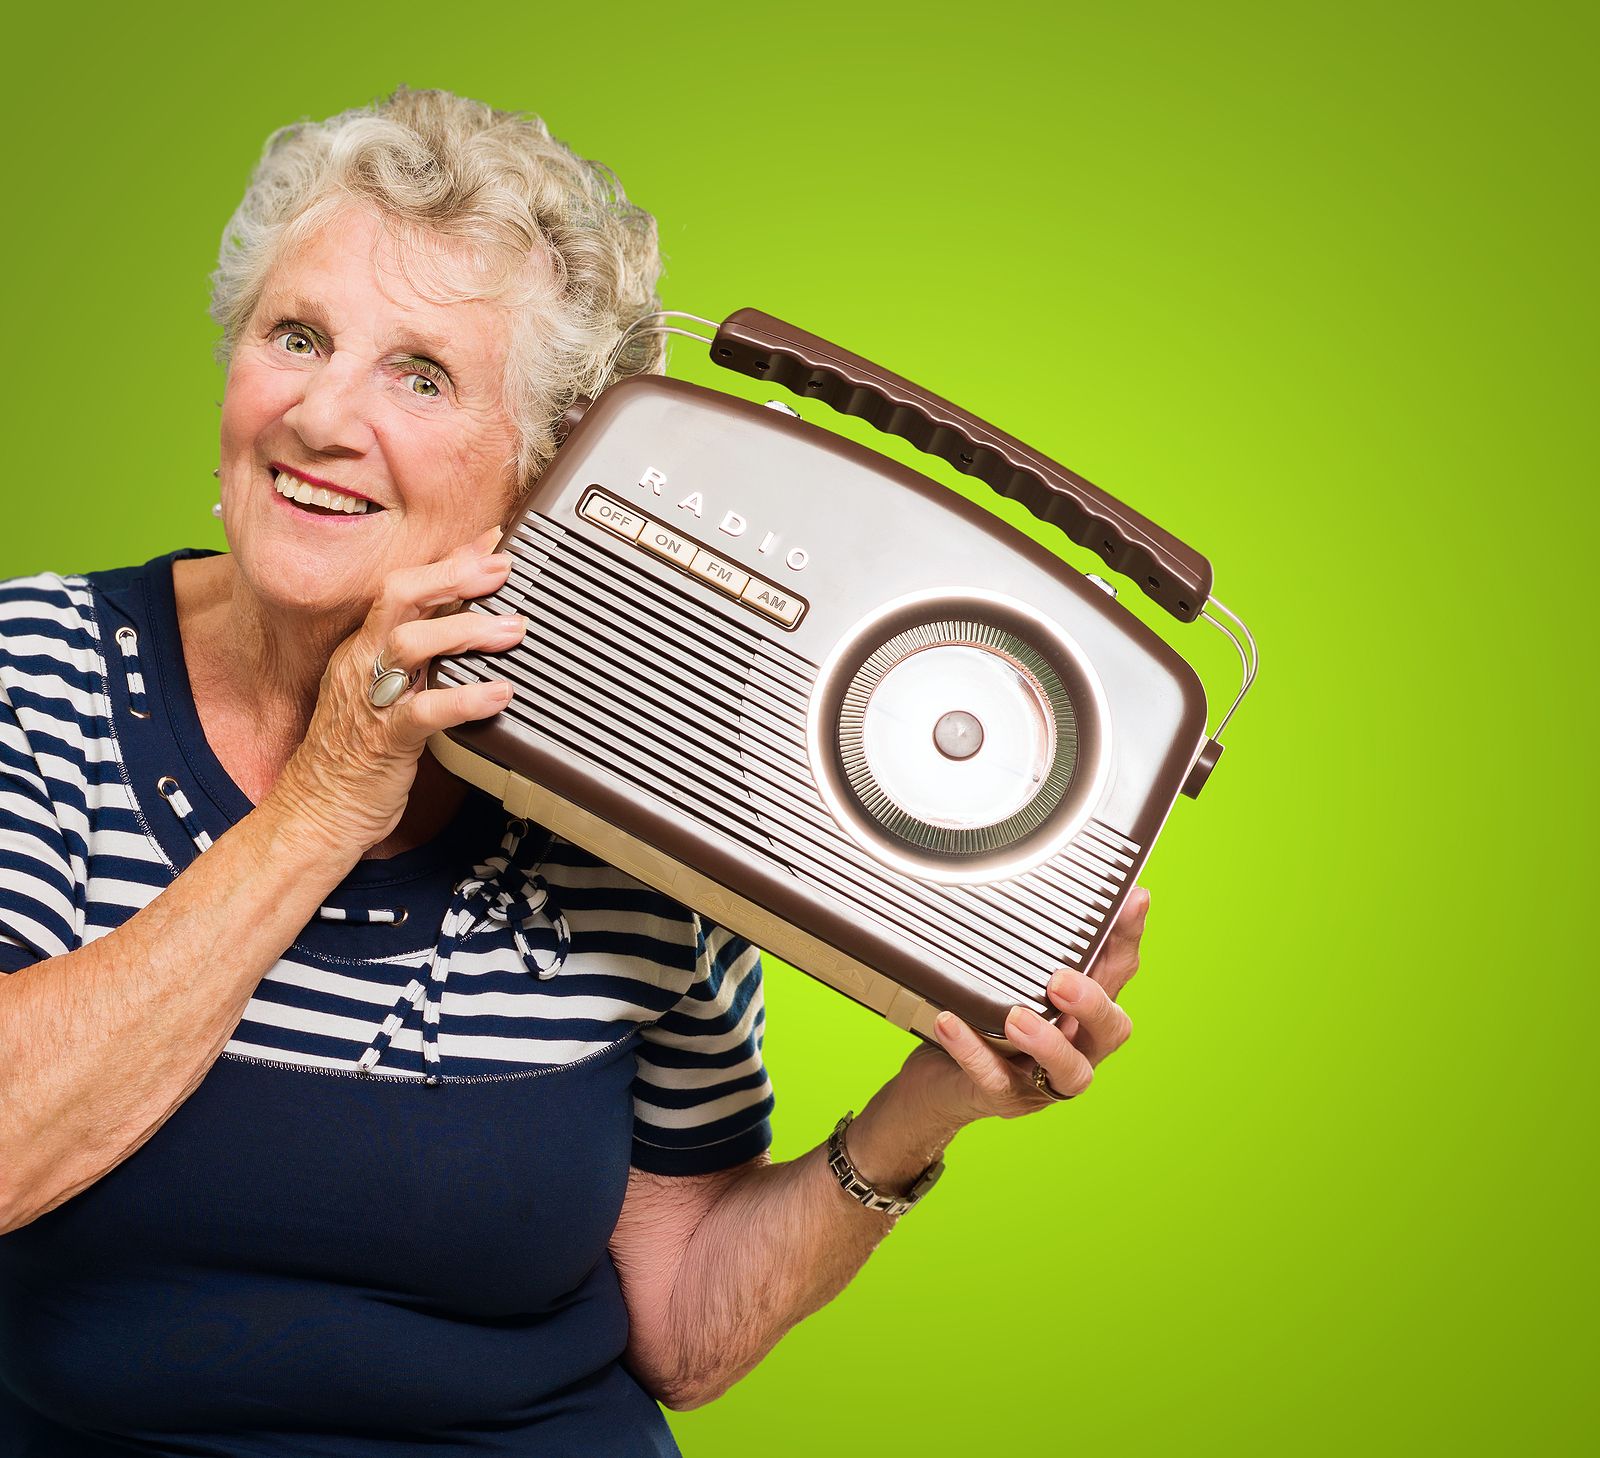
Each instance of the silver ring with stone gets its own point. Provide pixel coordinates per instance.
(387, 683)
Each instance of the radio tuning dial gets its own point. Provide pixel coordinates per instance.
(945, 780)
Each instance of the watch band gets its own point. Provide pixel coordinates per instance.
(858, 1189)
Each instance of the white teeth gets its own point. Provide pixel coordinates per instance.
(286, 485)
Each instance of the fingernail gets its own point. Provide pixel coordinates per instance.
(945, 1024)
(500, 693)
(1026, 1020)
(513, 627)
(494, 562)
(1068, 985)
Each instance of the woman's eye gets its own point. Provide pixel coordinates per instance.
(294, 342)
(422, 385)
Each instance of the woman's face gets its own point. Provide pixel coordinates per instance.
(347, 378)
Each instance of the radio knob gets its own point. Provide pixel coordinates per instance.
(958, 735)
(785, 409)
(1101, 583)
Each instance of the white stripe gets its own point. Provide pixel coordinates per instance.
(534, 1003)
(706, 1113)
(115, 891)
(27, 809)
(305, 1020)
(47, 604)
(709, 1009)
(676, 980)
(522, 1050)
(126, 844)
(35, 644)
(333, 984)
(700, 1076)
(25, 929)
(309, 1060)
(550, 1007)
(704, 1042)
(31, 893)
(57, 690)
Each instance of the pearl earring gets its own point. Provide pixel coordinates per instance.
(216, 510)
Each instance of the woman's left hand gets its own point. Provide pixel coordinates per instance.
(978, 1080)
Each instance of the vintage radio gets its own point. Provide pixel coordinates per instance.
(830, 703)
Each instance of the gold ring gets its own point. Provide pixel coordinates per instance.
(1041, 1081)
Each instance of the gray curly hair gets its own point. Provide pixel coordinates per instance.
(440, 168)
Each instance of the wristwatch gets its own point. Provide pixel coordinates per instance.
(858, 1189)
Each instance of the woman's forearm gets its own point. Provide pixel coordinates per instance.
(782, 1241)
(98, 1047)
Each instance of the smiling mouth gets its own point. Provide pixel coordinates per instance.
(319, 500)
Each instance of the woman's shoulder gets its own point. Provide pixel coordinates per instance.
(46, 597)
(55, 627)
(49, 638)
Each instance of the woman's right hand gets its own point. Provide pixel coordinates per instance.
(353, 772)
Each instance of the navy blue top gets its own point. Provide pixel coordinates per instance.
(380, 1223)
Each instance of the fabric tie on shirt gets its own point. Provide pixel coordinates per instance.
(499, 892)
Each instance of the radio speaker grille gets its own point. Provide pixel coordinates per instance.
(688, 705)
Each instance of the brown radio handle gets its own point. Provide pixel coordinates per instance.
(1170, 572)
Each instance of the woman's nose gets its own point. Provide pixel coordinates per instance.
(329, 415)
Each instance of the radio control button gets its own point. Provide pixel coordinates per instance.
(718, 573)
(665, 542)
(784, 606)
(615, 517)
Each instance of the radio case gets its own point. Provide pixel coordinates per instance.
(829, 703)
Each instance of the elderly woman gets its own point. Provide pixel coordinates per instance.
(269, 1183)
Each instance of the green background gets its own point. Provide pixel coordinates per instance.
(1301, 284)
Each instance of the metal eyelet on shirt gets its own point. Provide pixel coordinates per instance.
(166, 787)
(128, 641)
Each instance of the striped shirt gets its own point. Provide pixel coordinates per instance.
(496, 961)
